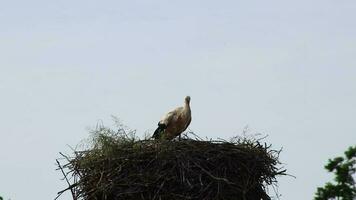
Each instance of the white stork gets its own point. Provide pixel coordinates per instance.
(175, 122)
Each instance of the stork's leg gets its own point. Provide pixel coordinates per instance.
(179, 137)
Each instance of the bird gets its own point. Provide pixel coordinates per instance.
(174, 122)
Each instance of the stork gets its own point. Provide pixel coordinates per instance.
(174, 122)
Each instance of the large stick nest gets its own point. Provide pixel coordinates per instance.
(119, 166)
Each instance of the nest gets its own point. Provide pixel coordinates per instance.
(123, 167)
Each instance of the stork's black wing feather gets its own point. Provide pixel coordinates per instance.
(158, 132)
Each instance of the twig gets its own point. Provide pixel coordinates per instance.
(69, 185)
(212, 176)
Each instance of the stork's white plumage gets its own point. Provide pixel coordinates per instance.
(174, 122)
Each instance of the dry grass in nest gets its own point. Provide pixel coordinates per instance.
(120, 166)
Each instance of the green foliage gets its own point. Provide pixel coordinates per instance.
(344, 187)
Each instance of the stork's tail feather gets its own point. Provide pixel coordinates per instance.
(158, 132)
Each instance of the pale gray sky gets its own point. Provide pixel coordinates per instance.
(284, 68)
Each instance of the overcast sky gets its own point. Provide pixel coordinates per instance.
(286, 69)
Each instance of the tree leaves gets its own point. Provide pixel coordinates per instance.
(343, 168)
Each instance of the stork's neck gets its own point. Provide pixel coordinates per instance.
(186, 105)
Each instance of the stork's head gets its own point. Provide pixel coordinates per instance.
(187, 99)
